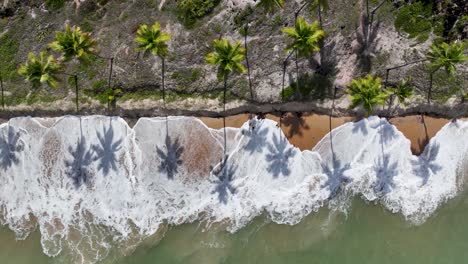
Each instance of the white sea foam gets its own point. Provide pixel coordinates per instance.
(89, 182)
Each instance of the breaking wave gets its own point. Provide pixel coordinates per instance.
(89, 183)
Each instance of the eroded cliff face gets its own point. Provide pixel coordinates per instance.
(352, 48)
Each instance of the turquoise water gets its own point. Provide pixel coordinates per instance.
(368, 234)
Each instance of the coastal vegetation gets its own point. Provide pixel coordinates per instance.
(228, 58)
(153, 40)
(305, 38)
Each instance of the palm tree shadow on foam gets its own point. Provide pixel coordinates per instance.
(106, 150)
(426, 165)
(78, 166)
(170, 156)
(278, 157)
(257, 139)
(224, 176)
(335, 176)
(385, 172)
(10, 147)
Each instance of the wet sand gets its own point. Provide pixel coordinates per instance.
(306, 130)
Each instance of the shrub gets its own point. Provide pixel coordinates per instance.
(54, 4)
(191, 10)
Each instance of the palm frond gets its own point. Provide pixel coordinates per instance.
(73, 43)
(367, 92)
(41, 69)
(446, 56)
(227, 56)
(306, 38)
(152, 40)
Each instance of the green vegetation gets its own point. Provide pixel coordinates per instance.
(54, 4)
(186, 77)
(42, 69)
(315, 86)
(306, 39)
(227, 57)
(8, 49)
(188, 11)
(270, 6)
(367, 92)
(243, 16)
(153, 40)
(73, 43)
(402, 92)
(445, 56)
(417, 20)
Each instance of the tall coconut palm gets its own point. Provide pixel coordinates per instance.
(74, 44)
(228, 57)
(152, 40)
(367, 92)
(445, 56)
(41, 69)
(270, 5)
(306, 39)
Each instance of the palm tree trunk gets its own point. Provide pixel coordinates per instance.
(298, 92)
(247, 62)
(330, 124)
(163, 69)
(109, 82)
(429, 92)
(320, 16)
(224, 114)
(162, 82)
(76, 92)
(3, 98)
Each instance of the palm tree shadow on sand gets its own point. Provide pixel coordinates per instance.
(223, 182)
(296, 124)
(278, 157)
(335, 176)
(106, 150)
(77, 166)
(385, 172)
(425, 165)
(170, 156)
(10, 146)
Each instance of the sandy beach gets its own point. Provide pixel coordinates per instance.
(306, 130)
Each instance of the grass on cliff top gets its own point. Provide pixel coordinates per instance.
(8, 49)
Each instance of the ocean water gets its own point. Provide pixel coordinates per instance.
(92, 189)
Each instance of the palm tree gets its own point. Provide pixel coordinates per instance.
(74, 44)
(306, 39)
(41, 69)
(228, 58)
(402, 92)
(445, 56)
(153, 40)
(367, 92)
(270, 5)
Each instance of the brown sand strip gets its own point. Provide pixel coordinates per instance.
(306, 130)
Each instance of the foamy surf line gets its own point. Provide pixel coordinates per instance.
(85, 181)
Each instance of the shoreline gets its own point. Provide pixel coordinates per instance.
(448, 111)
(308, 129)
